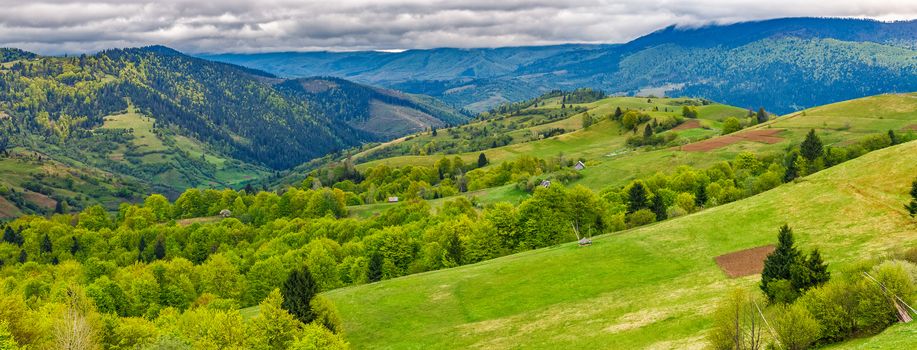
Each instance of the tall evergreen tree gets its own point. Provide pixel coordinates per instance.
(659, 207)
(792, 170)
(778, 263)
(374, 273)
(142, 246)
(23, 256)
(636, 197)
(762, 115)
(482, 160)
(75, 247)
(892, 137)
(700, 196)
(811, 147)
(647, 131)
(298, 291)
(46, 246)
(618, 113)
(159, 251)
(9, 236)
(912, 206)
(818, 268)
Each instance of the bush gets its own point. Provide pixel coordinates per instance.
(641, 217)
(326, 314)
(834, 306)
(794, 326)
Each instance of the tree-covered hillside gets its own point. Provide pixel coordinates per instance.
(783, 65)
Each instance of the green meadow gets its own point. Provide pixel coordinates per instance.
(650, 287)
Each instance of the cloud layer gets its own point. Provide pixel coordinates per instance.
(198, 26)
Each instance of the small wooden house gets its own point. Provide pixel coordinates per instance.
(579, 166)
(545, 183)
(225, 213)
(393, 199)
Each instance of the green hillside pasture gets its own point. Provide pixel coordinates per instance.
(836, 124)
(590, 143)
(650, 287)
(899, 336)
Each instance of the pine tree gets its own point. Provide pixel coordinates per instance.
(298, 291)
(647, 132)
(59, 207)
(75, 247)
(374, 274)
(819, 269)
(46, 244)
(762, 115)
(778, 264)
(636, 197)
(434, 131)
(9, 236)
(811, 148)
(659, 207)
(142, 245)
(792, 171)
(159, 251)
(892, 137)
(482, 160)
(700, 196)
(23, 256)
(912, 207)
(618, 113)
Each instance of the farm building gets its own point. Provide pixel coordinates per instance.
(579, 166)
(392, 199)
(225, 213)
(545, 183)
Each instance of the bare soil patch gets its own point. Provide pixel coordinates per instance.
(763, 136)
(201, 220)
(912, 127)
(744, 262)
(39, 199)
(689, 124)
(8, 209)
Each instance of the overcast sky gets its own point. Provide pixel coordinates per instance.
(199, 26)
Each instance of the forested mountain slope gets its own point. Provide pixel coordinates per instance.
(173, 121)
(782, 64)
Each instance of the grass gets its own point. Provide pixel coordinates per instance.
(899, 336)
(650, 287)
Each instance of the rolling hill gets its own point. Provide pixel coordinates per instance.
(784, 65)
(650, 287)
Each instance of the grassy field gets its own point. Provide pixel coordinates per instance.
(900, 336)
(592, 142)
(650, 287)
(191, 164)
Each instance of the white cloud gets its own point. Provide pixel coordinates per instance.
(57, 26)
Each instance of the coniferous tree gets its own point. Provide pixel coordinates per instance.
(762, 115)
(811, 148)
(818, 268)
(159, 251)
(298, 291)
(636, 197)
(892, 137)
(23, 256)
(659, 208)
(59, 207)
(46, 246)
(778, 264)
(618, 113)
(434, 131)
(9, 236)
(792, 170)
(700, 196)
(75, 247)
(142, 245)
(912, 206)
(647, 132)
(374, 274)
(482, 160)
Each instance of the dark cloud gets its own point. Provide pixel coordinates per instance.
(56, 26)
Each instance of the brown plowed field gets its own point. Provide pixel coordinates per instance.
(690, 124)
(744, 262)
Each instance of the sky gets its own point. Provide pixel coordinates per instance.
(201, 26)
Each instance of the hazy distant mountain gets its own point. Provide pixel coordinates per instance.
(781, 64)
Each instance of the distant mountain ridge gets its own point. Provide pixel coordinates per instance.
(782, 64)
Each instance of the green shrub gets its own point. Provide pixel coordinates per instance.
(794, 325)
(326, 314)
